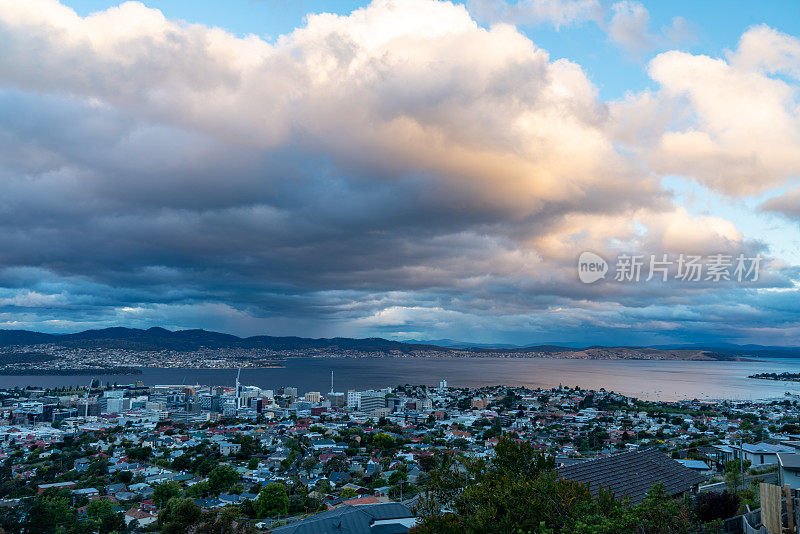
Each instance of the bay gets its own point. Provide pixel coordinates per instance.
(647, 379)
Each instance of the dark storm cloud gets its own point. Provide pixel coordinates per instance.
(349, 180)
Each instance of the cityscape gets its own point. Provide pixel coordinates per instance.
(399, 267)
(134, 457)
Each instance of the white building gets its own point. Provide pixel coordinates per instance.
(789, 472)
(759, 454)
(353, 399)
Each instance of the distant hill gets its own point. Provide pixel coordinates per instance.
(187, 340)
(157, 338)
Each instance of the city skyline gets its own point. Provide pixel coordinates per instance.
(403, 169)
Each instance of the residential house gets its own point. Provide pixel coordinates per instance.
(391, 517)
(633, 474)
(789, 469)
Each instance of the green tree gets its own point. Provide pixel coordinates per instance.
(124, 476)
(309, 463)
(178, 515)
(733, 473)
(51, 512)
(164, 492)
(519, 491)
(272, 500)
(102, 518)
(383, 441)
(223, 477)
(348, 493)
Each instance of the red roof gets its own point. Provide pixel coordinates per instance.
(363, 500)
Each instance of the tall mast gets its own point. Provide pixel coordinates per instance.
(86, 408)
(237, 389)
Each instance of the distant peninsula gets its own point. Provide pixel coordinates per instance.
(781, 377)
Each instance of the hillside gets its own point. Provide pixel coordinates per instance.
(156, 338)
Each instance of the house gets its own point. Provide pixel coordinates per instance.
(62, 485)
(209, 502)
(142, 517)
(339, 478)
(319, 444)
(758, 454)
(697, 465)
(390, 517)
(764, 453)
(789, 469)
(226, 448)
(81, 465)
(112, 489)
(89, 493)
(633, 474)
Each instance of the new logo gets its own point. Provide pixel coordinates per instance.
(591, 267)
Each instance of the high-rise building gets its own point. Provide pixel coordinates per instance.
(372, 400)
(337, 400)
(117, 405)
(312, 396)
(211, 403)
(353, 399)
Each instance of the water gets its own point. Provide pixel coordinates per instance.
(646, 379)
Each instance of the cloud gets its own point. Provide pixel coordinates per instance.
(400, 168)
(738, 126)
(558, 13)
(629, 28)
(787, 204)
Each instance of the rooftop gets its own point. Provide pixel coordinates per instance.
(633, 474)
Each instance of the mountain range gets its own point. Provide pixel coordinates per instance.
(157, 338)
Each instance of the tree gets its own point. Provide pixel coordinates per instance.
(324, 487)
(733, 473)
(519, 491)
(252, 464)
(383, 441)
(164, 492)
(139, 454)
(710, 506)
(427, 462)
(51, 512)
(337, 463)
(124, 476)
(348, 493)
(199, 490)
(178, 515)
(397, 477)
(272, 500)
(521, 458)
(102, 517)
(309, 463)
(223, 477)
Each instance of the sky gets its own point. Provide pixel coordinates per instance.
(410, 169)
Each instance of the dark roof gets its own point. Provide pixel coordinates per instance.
(633, 474)
(350, 520)
(789, 461)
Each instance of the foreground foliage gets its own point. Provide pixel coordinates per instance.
(518, 491)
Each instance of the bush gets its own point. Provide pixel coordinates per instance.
(711, 506)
